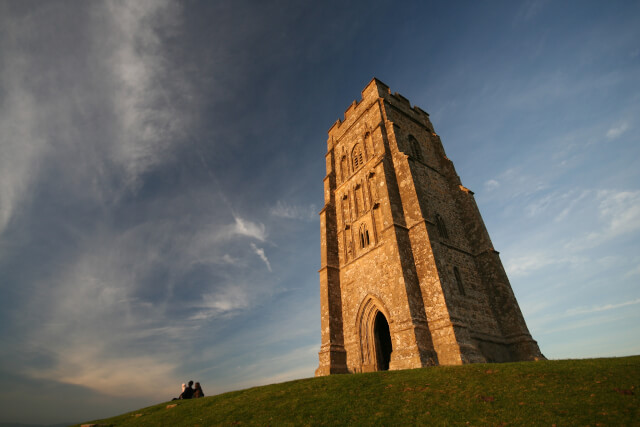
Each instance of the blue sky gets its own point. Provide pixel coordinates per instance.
(161, 169)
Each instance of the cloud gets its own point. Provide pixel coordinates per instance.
(22, 145)
(99, 334)
(618, 214)
(131, 300)
(617, 130)
(581, 323)
(303, 213)
(141, 78)
(115, 376)
(596, 217)
(515, 183)
(634, 271)
(221, 302)
(261, 254)
(247, 228)
(620, 210)
(599, 308)
(88, 105)
(555, 321)
(564, 200)
(532, 262)
(524, 265)
(125, 306)
(492, 184)
(229, 259)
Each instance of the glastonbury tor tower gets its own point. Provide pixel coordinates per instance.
(409, 276)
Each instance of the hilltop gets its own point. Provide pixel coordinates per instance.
(563, 392)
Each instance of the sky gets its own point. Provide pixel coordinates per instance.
(161, 168)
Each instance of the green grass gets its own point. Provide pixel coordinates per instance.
(588, 392)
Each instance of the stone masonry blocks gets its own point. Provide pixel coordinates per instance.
(409, 276)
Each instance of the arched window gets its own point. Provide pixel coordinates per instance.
(456, 273)
(442, 229)
(356, 156)
(364, 236)
(414, 148)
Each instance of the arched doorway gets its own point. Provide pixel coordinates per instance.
(372, 322)
(383, 342)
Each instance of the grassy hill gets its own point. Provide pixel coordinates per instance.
(591, 392)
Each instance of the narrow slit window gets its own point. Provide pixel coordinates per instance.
(344, 170)
(414, 148)
(442, 229)
(456, 273)
(355, 205)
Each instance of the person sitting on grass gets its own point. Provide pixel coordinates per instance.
(197, 392)
(183, 387)
(188, 392)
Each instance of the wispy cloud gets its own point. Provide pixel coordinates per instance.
(101, 106)
(142, 80)
(599, 308)
(303, 213)
(89, 367)
(617, 130)
(565, 201)
(527, 264)
(222, 302)
(580, 323)
(260, 252)
(619, 214)
(92, 117)
(107, 349)
(634, 271)
(123, 310)
(515, 182)
(620, 210)
(491, 185)
(577, 317)
(229, 259)
(247, 228)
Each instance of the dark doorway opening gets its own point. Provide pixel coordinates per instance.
(383, 342)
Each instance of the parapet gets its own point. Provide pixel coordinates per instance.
(374, 90)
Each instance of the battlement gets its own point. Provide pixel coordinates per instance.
(375, 90)
(404, 101)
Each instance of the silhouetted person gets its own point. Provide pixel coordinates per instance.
(184, 386)
(197, 391)
(188, 392)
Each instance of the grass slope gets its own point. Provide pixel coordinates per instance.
(565, 392)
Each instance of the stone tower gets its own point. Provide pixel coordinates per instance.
(409, 277)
